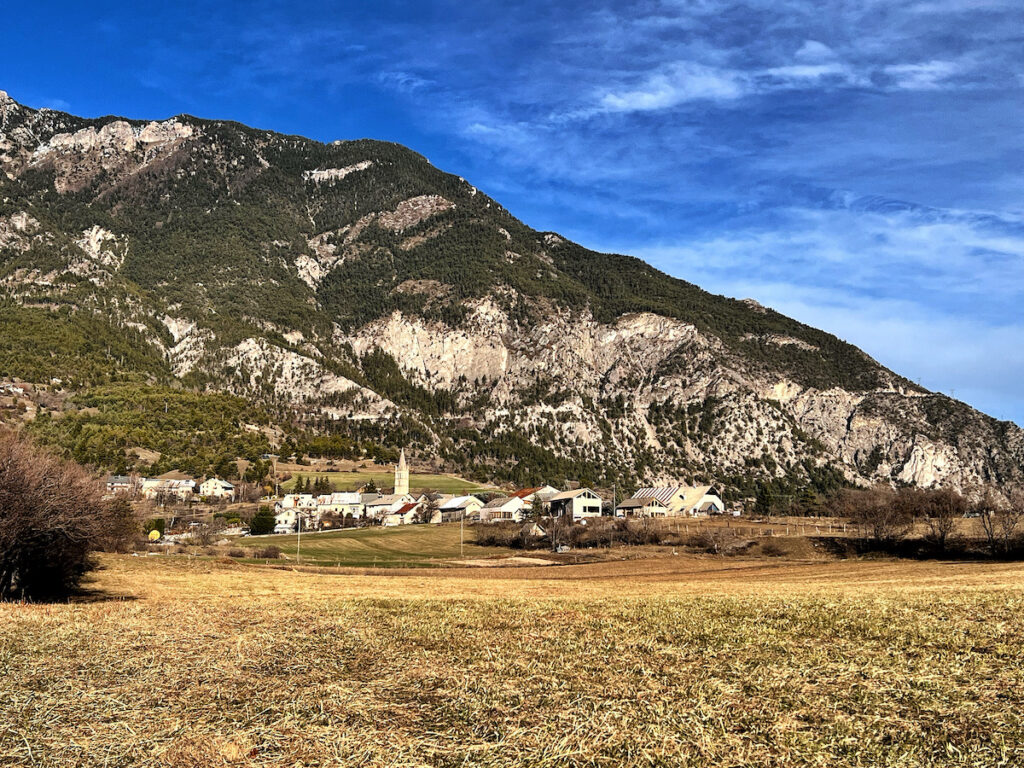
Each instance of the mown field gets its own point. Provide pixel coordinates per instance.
(350, 481)
(406, 545)
(667, 662)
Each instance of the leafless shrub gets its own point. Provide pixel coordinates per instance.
(560, 531)
(641, 530)
(202, 534)
(772, 548)
(52, 517)
(269, 553)
(122, 527)
(247, 492)
(714, 540)
(508, 535)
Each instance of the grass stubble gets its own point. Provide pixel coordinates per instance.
(681, 662)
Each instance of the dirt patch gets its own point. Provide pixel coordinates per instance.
(505, 562)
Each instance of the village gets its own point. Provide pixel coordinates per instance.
(400, 505)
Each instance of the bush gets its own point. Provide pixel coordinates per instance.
(507, 535)
(269, 553)
(772, 548)
(236, 553)
(52, 517)
(714, 541)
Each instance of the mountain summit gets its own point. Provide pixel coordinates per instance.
(367, 293)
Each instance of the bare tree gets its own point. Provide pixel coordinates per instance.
(203, 532)
(123, 525)
(1011, 520)
(1000, 521)
(429, 507)
(941, 510)
(878, 513)
(560, 531)
(52, 516)
(248, 493)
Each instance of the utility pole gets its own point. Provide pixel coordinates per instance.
(462, 528)
(298, 538)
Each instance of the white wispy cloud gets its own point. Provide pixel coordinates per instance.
(403, 81)
(927, 75)
(680, 82)
(873, 247)
(686, 81)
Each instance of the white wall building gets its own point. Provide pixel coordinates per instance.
(340, 505)
(503, 509)
(580, 503)
(459, 508)
(215, 488)
(685, 499)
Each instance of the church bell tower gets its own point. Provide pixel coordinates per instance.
(401, 476)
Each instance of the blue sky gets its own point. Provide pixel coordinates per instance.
(858, 166)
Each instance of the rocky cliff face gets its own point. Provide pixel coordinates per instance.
(366, 290)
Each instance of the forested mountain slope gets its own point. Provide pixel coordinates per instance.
(353, 289)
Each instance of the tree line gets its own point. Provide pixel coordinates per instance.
(887, 517)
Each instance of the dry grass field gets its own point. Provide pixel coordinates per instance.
(684, 661)
(404, 545)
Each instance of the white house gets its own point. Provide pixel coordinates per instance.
(641, 506)
(459, 508)
(119, 484)
(215, 488)
(340, 505)
(387, 504)
(305, 501)
(289, 508)
(170, 484)
(686, 499)
(536, 496)
(286, 519)
(580, 503)
(407, 514)
(503, 509)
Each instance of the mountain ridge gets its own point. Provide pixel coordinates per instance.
(362, 291)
